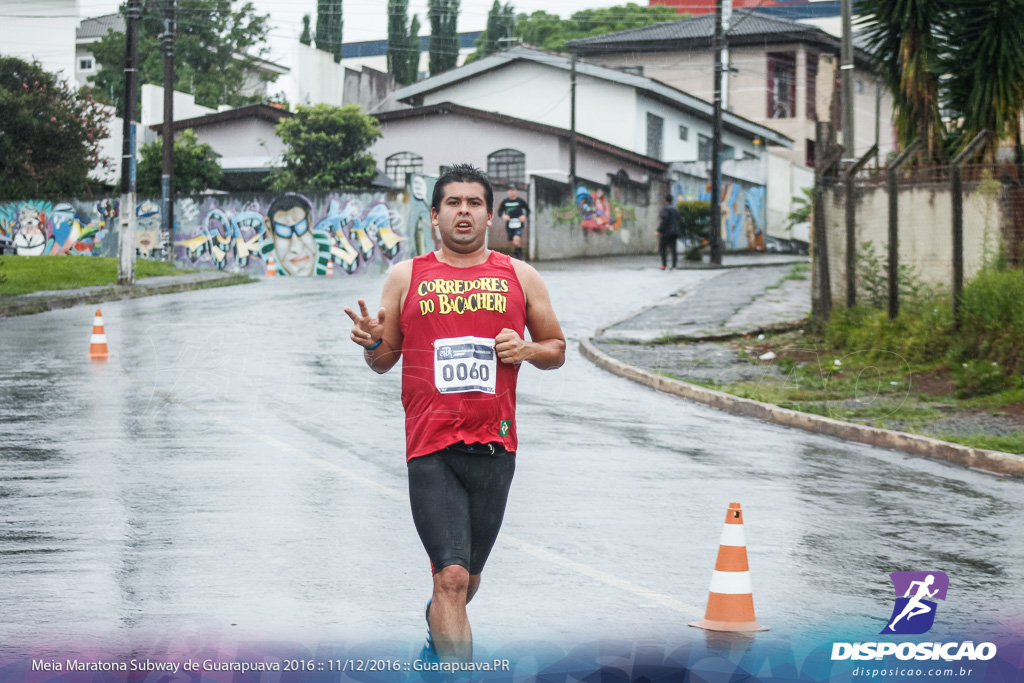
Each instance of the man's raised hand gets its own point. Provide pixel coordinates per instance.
(366, 331)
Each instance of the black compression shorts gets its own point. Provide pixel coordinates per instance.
(458, 500)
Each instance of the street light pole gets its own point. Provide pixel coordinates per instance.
(167, 180)
(846, 67)
(126, 238)
(715, 238)
(572, 129)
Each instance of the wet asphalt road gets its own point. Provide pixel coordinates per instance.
(236, 472)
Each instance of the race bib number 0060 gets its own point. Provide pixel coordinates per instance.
(464, 364)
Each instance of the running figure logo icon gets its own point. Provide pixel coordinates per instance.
(914, 612)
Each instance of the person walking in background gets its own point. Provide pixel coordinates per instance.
(668, 231)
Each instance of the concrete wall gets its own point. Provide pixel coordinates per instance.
(925, 229)
(313, 78)
(598, 219)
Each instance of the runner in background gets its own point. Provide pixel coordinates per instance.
(514, 212)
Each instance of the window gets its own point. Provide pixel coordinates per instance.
(727, 153)
(655, 128)
(809, 155)
(85, 64)
(781, 85)
(398, 165)
(703, 148)
(684, 133)
(507, 166)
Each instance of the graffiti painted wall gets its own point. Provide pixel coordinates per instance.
(743, 209)
(292, 234)
(38, 227)
(595, 219)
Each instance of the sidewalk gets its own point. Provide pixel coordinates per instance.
(676, 337)
(37, 302)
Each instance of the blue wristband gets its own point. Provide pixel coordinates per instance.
(375, 344)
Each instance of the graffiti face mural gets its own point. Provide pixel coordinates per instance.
(147, 229)
(43, 228)
(742, 207)
(595, 212)
(300, 238)
(291, 231)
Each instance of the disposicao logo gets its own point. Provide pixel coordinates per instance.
(914, 614)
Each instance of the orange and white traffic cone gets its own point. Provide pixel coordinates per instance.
(330, 269)
(271, 265)
(731, 599)
(98, 343)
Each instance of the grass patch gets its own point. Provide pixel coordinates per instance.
(1013, 443)
(799, 271)
(26, 274)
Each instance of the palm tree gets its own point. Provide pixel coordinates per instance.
(985, 88)
(903, 39)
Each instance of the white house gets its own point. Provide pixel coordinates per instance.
(428, 139)
(622, 109)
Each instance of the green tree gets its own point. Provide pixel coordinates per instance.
(195, 166)
(215, 49)
(329, 25)
(413, 50)
(326, 149)
(550, 32)
(306, 38)
(986, 91)
(903, 39)
(49, 133)
(501, 24)
(444, 36)
(403, 42)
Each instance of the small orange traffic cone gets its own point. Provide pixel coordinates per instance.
(731, 599)
(271, 265)
(98, 343)
(330, 269)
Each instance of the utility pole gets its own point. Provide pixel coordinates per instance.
(167, 179)
(572, 129)
(126, 239)
(846, 66)
(715, 238)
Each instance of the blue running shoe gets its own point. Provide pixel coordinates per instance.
(429, 652)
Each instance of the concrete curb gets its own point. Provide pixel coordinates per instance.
(1005, 464)
(40, 304)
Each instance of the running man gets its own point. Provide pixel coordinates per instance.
(457, 315)
(914, 606)
(514, 211)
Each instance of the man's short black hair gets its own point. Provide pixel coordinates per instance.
(668, 198)
(462, 173)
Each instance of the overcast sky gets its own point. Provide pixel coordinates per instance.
(367, 19)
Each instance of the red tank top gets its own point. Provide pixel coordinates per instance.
(454, 388)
